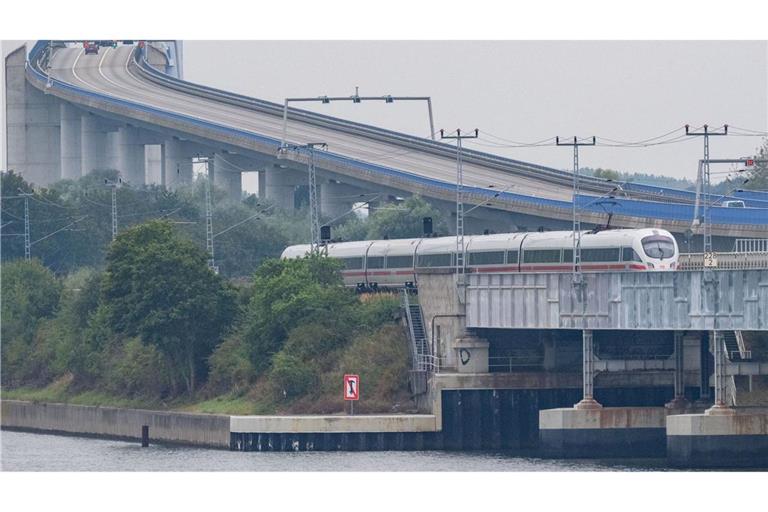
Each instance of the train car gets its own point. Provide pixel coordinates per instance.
(393, 263)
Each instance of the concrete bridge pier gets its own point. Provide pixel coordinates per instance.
(588, 400)
(705, 398)
(679, 401)
(130, 155)
(33, 119)
(71, 139)
(153, 164)
(93, 138)
(177, 163)
(280, 184)
(227, 175)
(336, 199)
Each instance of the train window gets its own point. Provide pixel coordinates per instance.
(352, 263)
(512, 257)
(542, 256)
(657, 246)
(609, 254)
(568, 256)
(629, 254)
(399, 261)
(435, 260)
(486, 258)
(375, 262)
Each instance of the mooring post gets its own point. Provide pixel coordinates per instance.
(588, 401)
(144, 436)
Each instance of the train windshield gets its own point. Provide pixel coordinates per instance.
(659, 247)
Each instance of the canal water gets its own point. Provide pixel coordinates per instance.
(23, 451)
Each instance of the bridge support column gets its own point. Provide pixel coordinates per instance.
(177, 164)
(704, 366)
(93, 139)
(32, 125)
(679, 401)
(280, 184)
(588, 401)
(131, 159)
(153, 164)
(227, 176)
(336, 199)
(71, 135)
(720, 406)
(262, 184)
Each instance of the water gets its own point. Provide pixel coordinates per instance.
(23, 451)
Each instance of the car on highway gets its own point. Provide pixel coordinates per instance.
(91, 48)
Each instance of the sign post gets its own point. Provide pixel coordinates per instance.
(351, 391)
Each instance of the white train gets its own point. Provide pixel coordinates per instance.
(373, 264)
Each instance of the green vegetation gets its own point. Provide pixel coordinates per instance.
(753, 179)
(71, 224)
(157, 328)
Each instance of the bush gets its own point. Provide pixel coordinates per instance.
(290, 376)
(139, 371)
(377, 309)
(230, 367)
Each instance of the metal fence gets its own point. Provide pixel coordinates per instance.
(751, 245)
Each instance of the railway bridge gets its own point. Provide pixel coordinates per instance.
(677, 356)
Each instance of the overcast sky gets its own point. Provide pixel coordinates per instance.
(518, 90)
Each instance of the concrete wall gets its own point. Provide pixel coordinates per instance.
(443, 314)
(196, 429)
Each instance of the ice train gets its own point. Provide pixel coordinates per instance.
(373, 264)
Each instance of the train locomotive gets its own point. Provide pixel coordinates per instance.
(374, 264)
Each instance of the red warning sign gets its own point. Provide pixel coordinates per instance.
(351, 387)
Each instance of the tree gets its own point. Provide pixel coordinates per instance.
(30, 296)
(405, 220)
(157, 285)
(289, 293)
(758, 177)
(607, 174)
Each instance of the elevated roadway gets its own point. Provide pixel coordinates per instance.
(119, 84)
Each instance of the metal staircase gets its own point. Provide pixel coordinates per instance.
(420, 352)
(735, 349)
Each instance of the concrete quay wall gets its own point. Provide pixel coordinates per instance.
(172, 427)
(334, 424)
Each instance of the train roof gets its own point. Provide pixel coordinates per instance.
(500, 241)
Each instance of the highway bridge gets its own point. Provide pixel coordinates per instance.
(127, 108)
